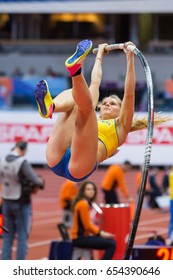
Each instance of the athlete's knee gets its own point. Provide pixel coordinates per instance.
(86, 116)
(88, 107)
(52, 159)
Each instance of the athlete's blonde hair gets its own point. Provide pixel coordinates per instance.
(142, 123)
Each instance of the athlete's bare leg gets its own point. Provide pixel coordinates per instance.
(85, 137)
(61, 134)
(64, 102)
(60, 137)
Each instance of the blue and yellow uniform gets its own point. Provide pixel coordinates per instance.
(107, 134)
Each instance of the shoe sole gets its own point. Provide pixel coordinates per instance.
(71, 62)
(43, 96)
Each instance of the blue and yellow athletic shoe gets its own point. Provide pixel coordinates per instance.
(74, 62)
(44, 99)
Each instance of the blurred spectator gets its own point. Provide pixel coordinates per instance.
(31, 73)
(165, 180)
(3, 91)
(85, 234)
(2, 73)
(155, 240)
(169, 87)
(169, 241)
(138, 180)
(5, 95)
(155, 188)
(50, 72)
(17, 72)
(114, 178)
(147, 188)
(68, 191)
(0, 198)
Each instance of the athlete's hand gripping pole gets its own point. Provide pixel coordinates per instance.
(120, 46)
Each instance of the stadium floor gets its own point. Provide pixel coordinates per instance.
(47, 213)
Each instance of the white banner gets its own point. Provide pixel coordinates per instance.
(29, 126)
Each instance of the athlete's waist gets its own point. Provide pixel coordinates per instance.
(110, 145)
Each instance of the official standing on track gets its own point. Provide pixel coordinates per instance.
(19, 182)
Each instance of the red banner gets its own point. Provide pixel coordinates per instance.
(161, 136)
(26, 132)
(39, 133)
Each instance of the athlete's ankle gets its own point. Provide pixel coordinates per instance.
(79, 71)
(53, 107)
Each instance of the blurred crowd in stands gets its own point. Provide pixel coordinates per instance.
(163, 99)
(16, 90)
(17, 72)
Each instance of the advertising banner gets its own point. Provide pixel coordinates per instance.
(29, 126)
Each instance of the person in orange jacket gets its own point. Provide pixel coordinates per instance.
(138, 181)
(67, 193)
(85, 234)
(115, 178)
(147, 188)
